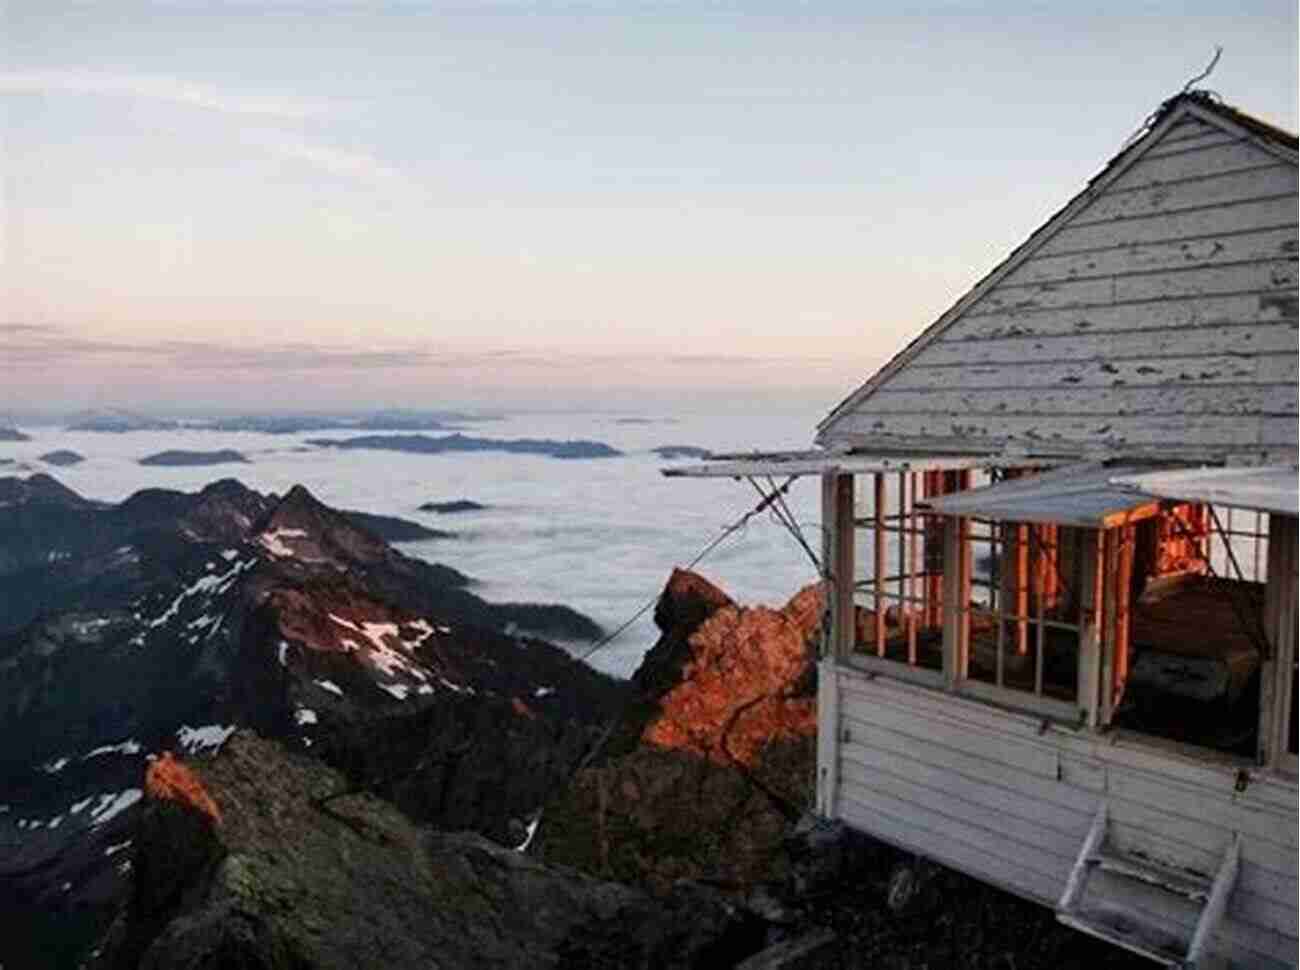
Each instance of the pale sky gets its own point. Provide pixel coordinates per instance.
(252, 205)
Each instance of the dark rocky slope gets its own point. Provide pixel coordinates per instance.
(255, 860)
(170, 619)
(392, 529)
(709, 776)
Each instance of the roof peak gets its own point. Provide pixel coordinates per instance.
(1212, 101)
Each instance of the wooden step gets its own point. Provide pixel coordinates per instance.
(1121, 927)
(1122, 906)
(1183, 882)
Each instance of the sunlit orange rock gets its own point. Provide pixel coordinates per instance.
(738, 688)
(169, 780)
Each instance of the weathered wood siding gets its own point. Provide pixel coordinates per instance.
(992, 794)
(1160, 314)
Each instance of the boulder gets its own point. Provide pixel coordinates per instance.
(711, 766)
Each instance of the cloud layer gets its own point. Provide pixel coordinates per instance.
(285, 112)
(157, 88)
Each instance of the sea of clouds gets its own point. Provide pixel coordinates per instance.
(600, 535)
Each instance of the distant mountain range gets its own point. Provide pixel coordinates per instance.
(117, 421)
(424, 445)
(180, 458)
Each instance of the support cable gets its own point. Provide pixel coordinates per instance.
(767, 501)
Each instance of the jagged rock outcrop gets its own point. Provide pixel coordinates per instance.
(170, 619)
(711, 767)
(297, 875)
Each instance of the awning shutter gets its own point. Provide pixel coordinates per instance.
(1079, 495)
(1270, 488)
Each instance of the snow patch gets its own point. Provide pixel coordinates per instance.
(55, 766)
(113, 804)
(382, 657)
(528, 839)
(229, 554)
(117, 847)
(544, 692)
(283, 653)
(273, 541)
(397, 690)
(458, 688)
(210, 584)
(88, 628)
(304, 715)
(202, 739)
(421, 627)
(330, 686)
(129, 746)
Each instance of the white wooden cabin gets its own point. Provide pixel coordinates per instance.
(1060, 541)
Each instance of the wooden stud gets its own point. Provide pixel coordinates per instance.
(966, 562)
(880, 563)
(1127, 538)
(830, 556)
(1109, 589)
(914, 577)
(953, 606)
(904, 585)
(1040, 566)
(844, 566)
(1022, 589)
(1089, 562)
(1277, 678)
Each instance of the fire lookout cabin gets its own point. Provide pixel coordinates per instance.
(1059, 538)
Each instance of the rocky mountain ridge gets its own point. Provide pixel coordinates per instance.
(262, 859)
(170, 619)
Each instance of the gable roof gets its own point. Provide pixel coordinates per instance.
(855, 423)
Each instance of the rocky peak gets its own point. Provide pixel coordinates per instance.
(705, 776)
(39, 488)
(300, 527)
(726, 680)
(225, 512)
(688, 599)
